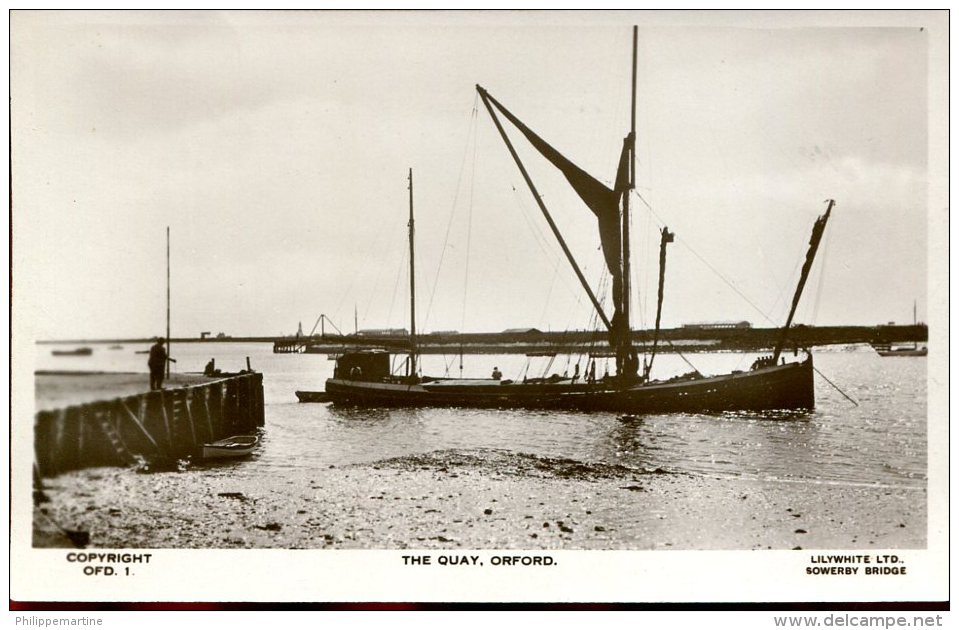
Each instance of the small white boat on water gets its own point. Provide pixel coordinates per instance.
(912, 349)
(892, 350)
(235, 446)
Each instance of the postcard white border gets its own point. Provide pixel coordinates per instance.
(579, 576)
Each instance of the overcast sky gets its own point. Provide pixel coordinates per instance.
(276, 148)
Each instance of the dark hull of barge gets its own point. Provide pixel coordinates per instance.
(788, 387)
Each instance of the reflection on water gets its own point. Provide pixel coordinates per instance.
(630, 440)
(883, 441)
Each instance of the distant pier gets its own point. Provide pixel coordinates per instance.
(289, 346)
(104, 419)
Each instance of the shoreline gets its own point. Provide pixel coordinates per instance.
(480, 500)
(690, 337)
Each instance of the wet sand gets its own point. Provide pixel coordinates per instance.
(479, 499)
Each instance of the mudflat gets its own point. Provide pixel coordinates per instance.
(479, 499)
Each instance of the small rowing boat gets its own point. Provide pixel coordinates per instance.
(235, 446)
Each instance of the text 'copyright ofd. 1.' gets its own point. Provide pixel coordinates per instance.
(108, 564)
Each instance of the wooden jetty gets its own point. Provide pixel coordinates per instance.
(155, 426)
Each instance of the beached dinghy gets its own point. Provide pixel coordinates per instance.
(235, 446)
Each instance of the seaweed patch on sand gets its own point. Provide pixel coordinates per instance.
(505, 462)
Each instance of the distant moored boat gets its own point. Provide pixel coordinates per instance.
(889, 350)
(904, 349)
(76, 352)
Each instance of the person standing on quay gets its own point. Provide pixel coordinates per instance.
(157, 364)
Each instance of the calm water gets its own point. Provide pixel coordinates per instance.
(883, 441)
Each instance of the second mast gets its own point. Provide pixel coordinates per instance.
(412, 373)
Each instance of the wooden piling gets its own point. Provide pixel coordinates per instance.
(237, 408)
(242, 410)
(216, 408)
(208, 422)
(165, 424)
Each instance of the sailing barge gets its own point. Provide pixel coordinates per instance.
(364, 378)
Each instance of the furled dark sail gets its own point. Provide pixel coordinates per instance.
(610, 233)
(817, 229)
(600, 199)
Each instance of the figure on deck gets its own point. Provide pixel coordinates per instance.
(497, 375)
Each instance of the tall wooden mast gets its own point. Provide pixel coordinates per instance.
(167, 366)
(412, 289)
(624, 353)
(666, 237)
(627, 298)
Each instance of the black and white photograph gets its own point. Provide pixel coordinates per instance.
(479, 306)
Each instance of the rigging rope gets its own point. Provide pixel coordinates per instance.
(549, 292)
(748, 301)
(549, 364)
(471, 133)
(469, 232)
(393, 245)
(711, 268)
(544, 243)
(836, 387)
(784, 288)
(681, 356)
(384, 228)
(524, 371)
(400, 271)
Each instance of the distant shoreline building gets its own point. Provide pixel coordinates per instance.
(383, 332)
(742, 325)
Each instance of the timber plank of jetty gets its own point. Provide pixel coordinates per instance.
(104, 419)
